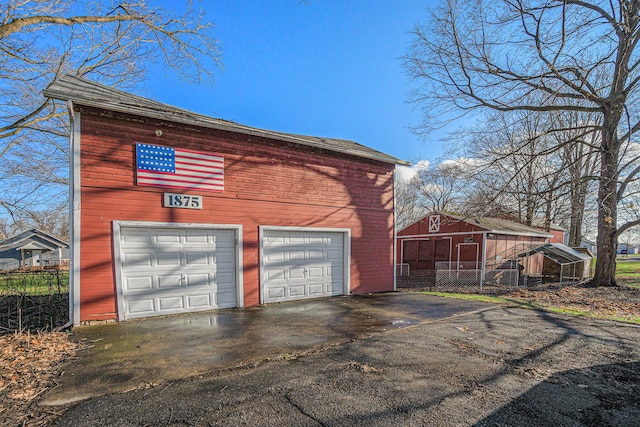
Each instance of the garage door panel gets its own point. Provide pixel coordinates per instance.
(171, 303)
(275, 273)
(202, 280)
(198, 301)
(134, 237)
(273, 239)
(137, 259)
(169, 281)
(224, 258)
(226, 300)
(167, 236)
(314, 272)
(296, 273)
(225, 279)
(140, 306)
(168, 258)
(139, 283)
(228, 268)
(294, 238)
(335, 240)
(297, 290)
(301, 264)
(275, 292)
(273, 257)
(176, 270)
(317, 289)
(316, 239)
(198, 258)
(222, 242)
(195, 237)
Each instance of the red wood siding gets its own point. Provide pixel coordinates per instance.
(447, 225)
(436, 248)
(558, 236)
(503, 248)
(460, 242)
(267, 182)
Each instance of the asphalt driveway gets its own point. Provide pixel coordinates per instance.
(495, 366)
(147, 352)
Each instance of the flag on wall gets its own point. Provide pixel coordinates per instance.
(159, 166)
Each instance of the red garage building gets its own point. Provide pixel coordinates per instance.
(175, 212)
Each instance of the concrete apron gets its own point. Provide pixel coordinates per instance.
(146, 352)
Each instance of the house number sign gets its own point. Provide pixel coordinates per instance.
(183, 201)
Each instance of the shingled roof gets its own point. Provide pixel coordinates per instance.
(492, 225)
(91, 94)
(504, 226)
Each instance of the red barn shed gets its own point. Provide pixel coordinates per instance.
(479, 246)
(175, 212)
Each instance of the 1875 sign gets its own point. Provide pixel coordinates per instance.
(184, 201)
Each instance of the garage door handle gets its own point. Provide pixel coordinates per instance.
(182, 281)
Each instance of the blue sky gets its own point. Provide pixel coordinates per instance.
(323, 68)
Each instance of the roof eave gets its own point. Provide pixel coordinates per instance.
(194, 119)
(524, 234)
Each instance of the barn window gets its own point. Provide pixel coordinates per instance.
(434, 223)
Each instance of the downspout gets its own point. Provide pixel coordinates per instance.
(74, 215)
(484, 260)
(395, 235)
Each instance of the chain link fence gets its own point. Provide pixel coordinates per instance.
(497, 281)
(34, 300)
(459, 281)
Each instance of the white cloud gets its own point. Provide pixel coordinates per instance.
(462, 162)
(406, 173)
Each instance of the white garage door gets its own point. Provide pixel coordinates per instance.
(175, 270)
(302, 264)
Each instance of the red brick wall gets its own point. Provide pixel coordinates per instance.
(267, 182)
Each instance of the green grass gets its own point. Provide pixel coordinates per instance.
(627, 268)
(628, 272)
(532, 305)
(34, 283)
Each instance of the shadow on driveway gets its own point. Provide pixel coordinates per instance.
(134, 354)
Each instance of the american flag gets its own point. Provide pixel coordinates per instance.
(159, 166)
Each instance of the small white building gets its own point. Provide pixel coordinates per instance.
(33, 249)
(588, 244)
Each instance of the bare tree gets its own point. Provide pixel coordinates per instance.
(579, 154)
(516, 167)
(495, 54)
(440, 187)
(109, 41)
(408, 210)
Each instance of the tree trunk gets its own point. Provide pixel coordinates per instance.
(605, 274)
(577, 215)
(547, 213)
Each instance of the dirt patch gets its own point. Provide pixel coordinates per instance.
(29, 364)
(621, 301)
